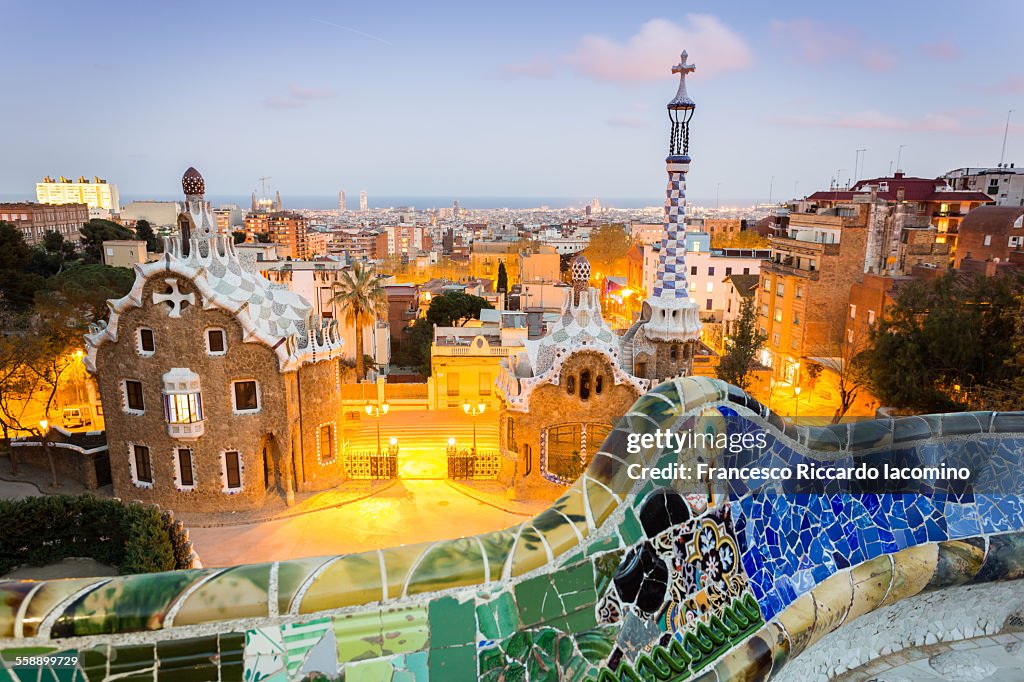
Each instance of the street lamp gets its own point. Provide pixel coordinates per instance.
(377, 411)
(797, 415)
(474, 411)
(393, 446)
(450, 451)
(44, 430)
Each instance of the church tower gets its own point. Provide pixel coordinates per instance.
(661, 344)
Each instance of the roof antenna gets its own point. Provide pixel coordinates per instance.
(1006, 131)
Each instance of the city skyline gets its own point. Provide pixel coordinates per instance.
(370, 104)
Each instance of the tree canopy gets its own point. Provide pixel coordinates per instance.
(741, 357)
(607, 249)
(97, 231)
(447, 310)
(947, 341)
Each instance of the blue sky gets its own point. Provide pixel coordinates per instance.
(511, 99)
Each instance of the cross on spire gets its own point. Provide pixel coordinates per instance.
(682, 100)
(682, 68)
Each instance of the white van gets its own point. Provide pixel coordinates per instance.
(76, 417)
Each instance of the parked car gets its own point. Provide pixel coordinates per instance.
(76, 417)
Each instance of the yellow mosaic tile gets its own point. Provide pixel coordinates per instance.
(871, 581)
(239, 592)
(912, 569)
(529, 552)
(447, 564)
(351, 580)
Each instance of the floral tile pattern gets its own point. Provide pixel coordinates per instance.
(618, 580)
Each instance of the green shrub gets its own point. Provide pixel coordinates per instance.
(43, 530)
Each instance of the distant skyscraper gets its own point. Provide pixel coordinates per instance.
(341, 201)
(455, 208)
(363, 204)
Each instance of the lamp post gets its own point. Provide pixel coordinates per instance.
(44, 430)
(377, 411)
(79, 354)
(474, 411)
(450, 450)
(796, 391)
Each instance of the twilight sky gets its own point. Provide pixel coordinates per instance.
(527, 98)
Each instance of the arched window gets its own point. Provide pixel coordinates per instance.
(570, 385)
(673, 353)
(599, 384)
(584, 384)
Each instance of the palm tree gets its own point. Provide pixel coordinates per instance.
(359, 294)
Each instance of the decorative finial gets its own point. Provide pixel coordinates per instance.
(580, 269)
(192, 183)
(682, 100)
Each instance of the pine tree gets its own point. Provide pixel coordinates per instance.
(502, 278)
(746, 340)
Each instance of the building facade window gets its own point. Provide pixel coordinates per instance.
(232, 470)
(780, 289)
(183, 404)
(796, 318)
(566, 449)
(186, 479)
(216, 342)
(585, 384)
(778, 314)
(853, 311)
(325, 445)
(141, 466)
(245, 396)
(485, 383)
(133, 400)
(145, 341)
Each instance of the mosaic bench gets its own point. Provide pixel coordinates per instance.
(617, 580)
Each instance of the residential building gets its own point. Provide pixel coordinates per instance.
(364, 204)
(738, 288)
(95, 193)
(543, 265)
(162, 215)
(230, 218)
(485, 258)
(124, 253)
(869, 300)
(220, 389)
(465, 361)
(721, 230)
(805, 285)
(406, 240)
(1004, 183)
(285, 228)
(35, 220)
(646, 233)
(898, 203)
(342, 206)
(992, 233)
(403, 308)
(359, 243)
(316, 282)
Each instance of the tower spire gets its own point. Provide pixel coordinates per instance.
(671, 314)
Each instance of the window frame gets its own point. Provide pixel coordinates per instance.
(234, 397)
(226, 473)
(139, 343)
(126, 396)
(133, 464)
(331, 455)
(223, 339)
(179, 479)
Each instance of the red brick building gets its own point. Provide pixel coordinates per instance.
(35, 220)
(992, 233)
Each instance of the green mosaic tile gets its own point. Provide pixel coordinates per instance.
(291, 576)
(93, 662)
(604, 545)
(452, 563)
(451, 623)
(369, 671)
(601, 502)
(529, 552)
(397, 563)
(538, 601)
(630, 527)
(558, 531)
(48, 596)
(352, 580)
(498, 546)
(358, 635)
(11, 596)
(498, 618)
(404, 629)
(129, 658)
(239, 592)
(453, 663)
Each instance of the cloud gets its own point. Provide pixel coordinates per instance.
(648, 54)
(818, 43)
(298, 96)
(875, 120)
(943, 50)
(1011, 85)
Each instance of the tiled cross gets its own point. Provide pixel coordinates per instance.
(175, 298)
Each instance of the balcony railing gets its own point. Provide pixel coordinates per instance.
(779, 268)
(470, 351)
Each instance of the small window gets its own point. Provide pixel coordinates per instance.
(133, 399)
(186, 476)
(232, 470)
(693, 271)
(871, 317)
(673, 353)
(746, 271)
(853, 311)
(775, 339)
(216, 344)
(599, 384)
(711, 272)
(325, 443)
(778, 314)
(728, 271)
(799, 291)
(709, 303)
(246, 396)
(143, 465)
(988, 240)
(570, 385)
(796, 318)
(764, 310)
(780, 289)
(710, 287)
(147, 344)
(584, 384)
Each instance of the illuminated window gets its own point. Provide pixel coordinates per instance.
(853, 312)
(183, 404)
(778, 314)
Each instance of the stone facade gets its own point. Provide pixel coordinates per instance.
(532, 475)
(220, 389)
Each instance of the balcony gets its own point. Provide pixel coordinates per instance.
(191, 431)
(803, 247)
(781, 268)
